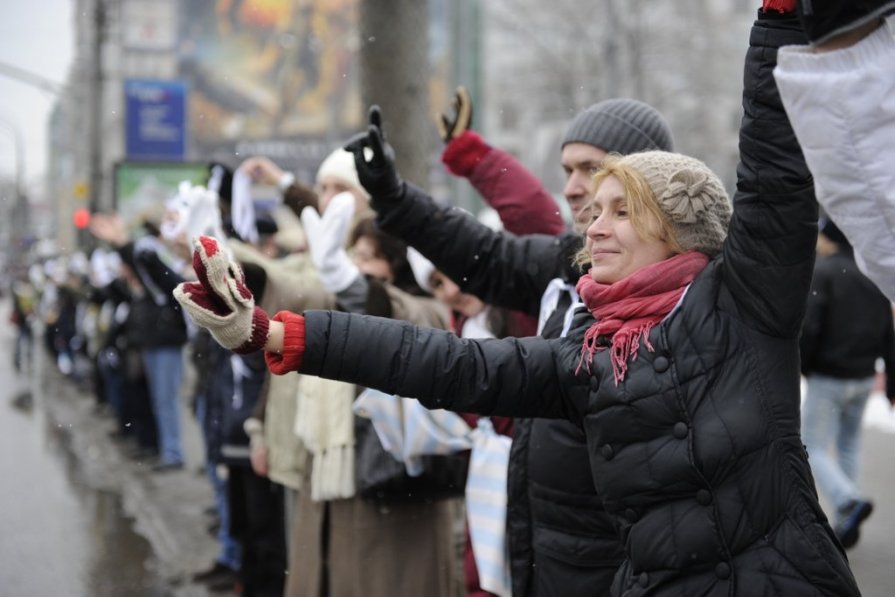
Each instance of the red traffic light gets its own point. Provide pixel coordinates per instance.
(81, 218)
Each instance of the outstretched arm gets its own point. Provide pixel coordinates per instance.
(504, 377)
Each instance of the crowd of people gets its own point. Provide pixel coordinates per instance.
(612, 403)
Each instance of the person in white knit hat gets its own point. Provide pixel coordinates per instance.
(409, 541)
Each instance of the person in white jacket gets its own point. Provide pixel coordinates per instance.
(840, 98)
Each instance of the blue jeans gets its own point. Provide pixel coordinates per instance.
(831, 417)
(230, 554)
(164, 371)
(109, 364)
(231, 551)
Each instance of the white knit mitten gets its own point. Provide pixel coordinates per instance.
(221, 302)
(326, 240)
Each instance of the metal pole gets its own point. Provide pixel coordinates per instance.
(96, 102)
(20, 216)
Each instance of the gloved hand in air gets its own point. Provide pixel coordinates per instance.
(374, 159)
(221, 302)
(327, 235)
(451, 127)
(464, 148)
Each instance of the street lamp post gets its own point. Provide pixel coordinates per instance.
(20, 217)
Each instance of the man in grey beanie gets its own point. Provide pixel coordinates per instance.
(615, 125)
(561, 541)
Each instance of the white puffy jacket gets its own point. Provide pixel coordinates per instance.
(842, 108)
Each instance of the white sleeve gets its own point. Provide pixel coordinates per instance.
(327, 235)
(842, 108)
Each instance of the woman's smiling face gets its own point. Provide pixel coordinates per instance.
(616, 249)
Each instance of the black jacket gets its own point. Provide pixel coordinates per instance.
(697, 453)
(848, 323)
(157, 317)
(560, 538)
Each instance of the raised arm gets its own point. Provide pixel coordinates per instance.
(521, 201)
(769, 252)
(501, 268)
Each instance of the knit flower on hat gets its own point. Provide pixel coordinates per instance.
(686, 196)
(689, 194)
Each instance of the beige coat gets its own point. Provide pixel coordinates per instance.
(376, 550)
(293, 285)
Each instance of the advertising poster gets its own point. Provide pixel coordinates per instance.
(141, 188)
(262, 69)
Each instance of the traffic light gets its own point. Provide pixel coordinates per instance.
(81, 218)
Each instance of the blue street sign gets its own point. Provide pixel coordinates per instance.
(155, 119)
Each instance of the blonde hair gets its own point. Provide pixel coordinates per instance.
(647, 218)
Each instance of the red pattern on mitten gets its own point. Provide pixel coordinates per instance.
(221, 302)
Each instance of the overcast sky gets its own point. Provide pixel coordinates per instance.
(35, 35)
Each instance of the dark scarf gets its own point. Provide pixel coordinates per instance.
(627, 310)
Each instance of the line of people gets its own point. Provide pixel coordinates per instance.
(681, 370)
(627, 387)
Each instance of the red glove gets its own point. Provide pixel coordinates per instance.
(782, 6)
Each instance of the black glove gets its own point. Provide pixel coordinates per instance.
(824, 20)
(374, 159)
(449, 128)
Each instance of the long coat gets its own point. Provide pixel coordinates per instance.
(366, 547)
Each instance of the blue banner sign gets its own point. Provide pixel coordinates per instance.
(155, 113)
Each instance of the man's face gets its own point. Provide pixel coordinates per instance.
(580, 162)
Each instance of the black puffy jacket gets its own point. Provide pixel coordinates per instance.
(848, 323)
(560, 538)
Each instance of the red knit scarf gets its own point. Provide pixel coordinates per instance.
(627, 310)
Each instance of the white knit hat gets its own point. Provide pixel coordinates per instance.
(689, 194)
(340, 164)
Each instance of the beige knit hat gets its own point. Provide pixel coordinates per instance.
(690, 195)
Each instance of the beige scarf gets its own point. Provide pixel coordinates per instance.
(324, 422)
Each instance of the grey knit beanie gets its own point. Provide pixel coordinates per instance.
(689, 194)
(620, 126)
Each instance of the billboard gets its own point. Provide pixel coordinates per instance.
(263, 69)
(141, 188)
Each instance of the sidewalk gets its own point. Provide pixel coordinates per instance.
(873, 558)
(168, 508)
